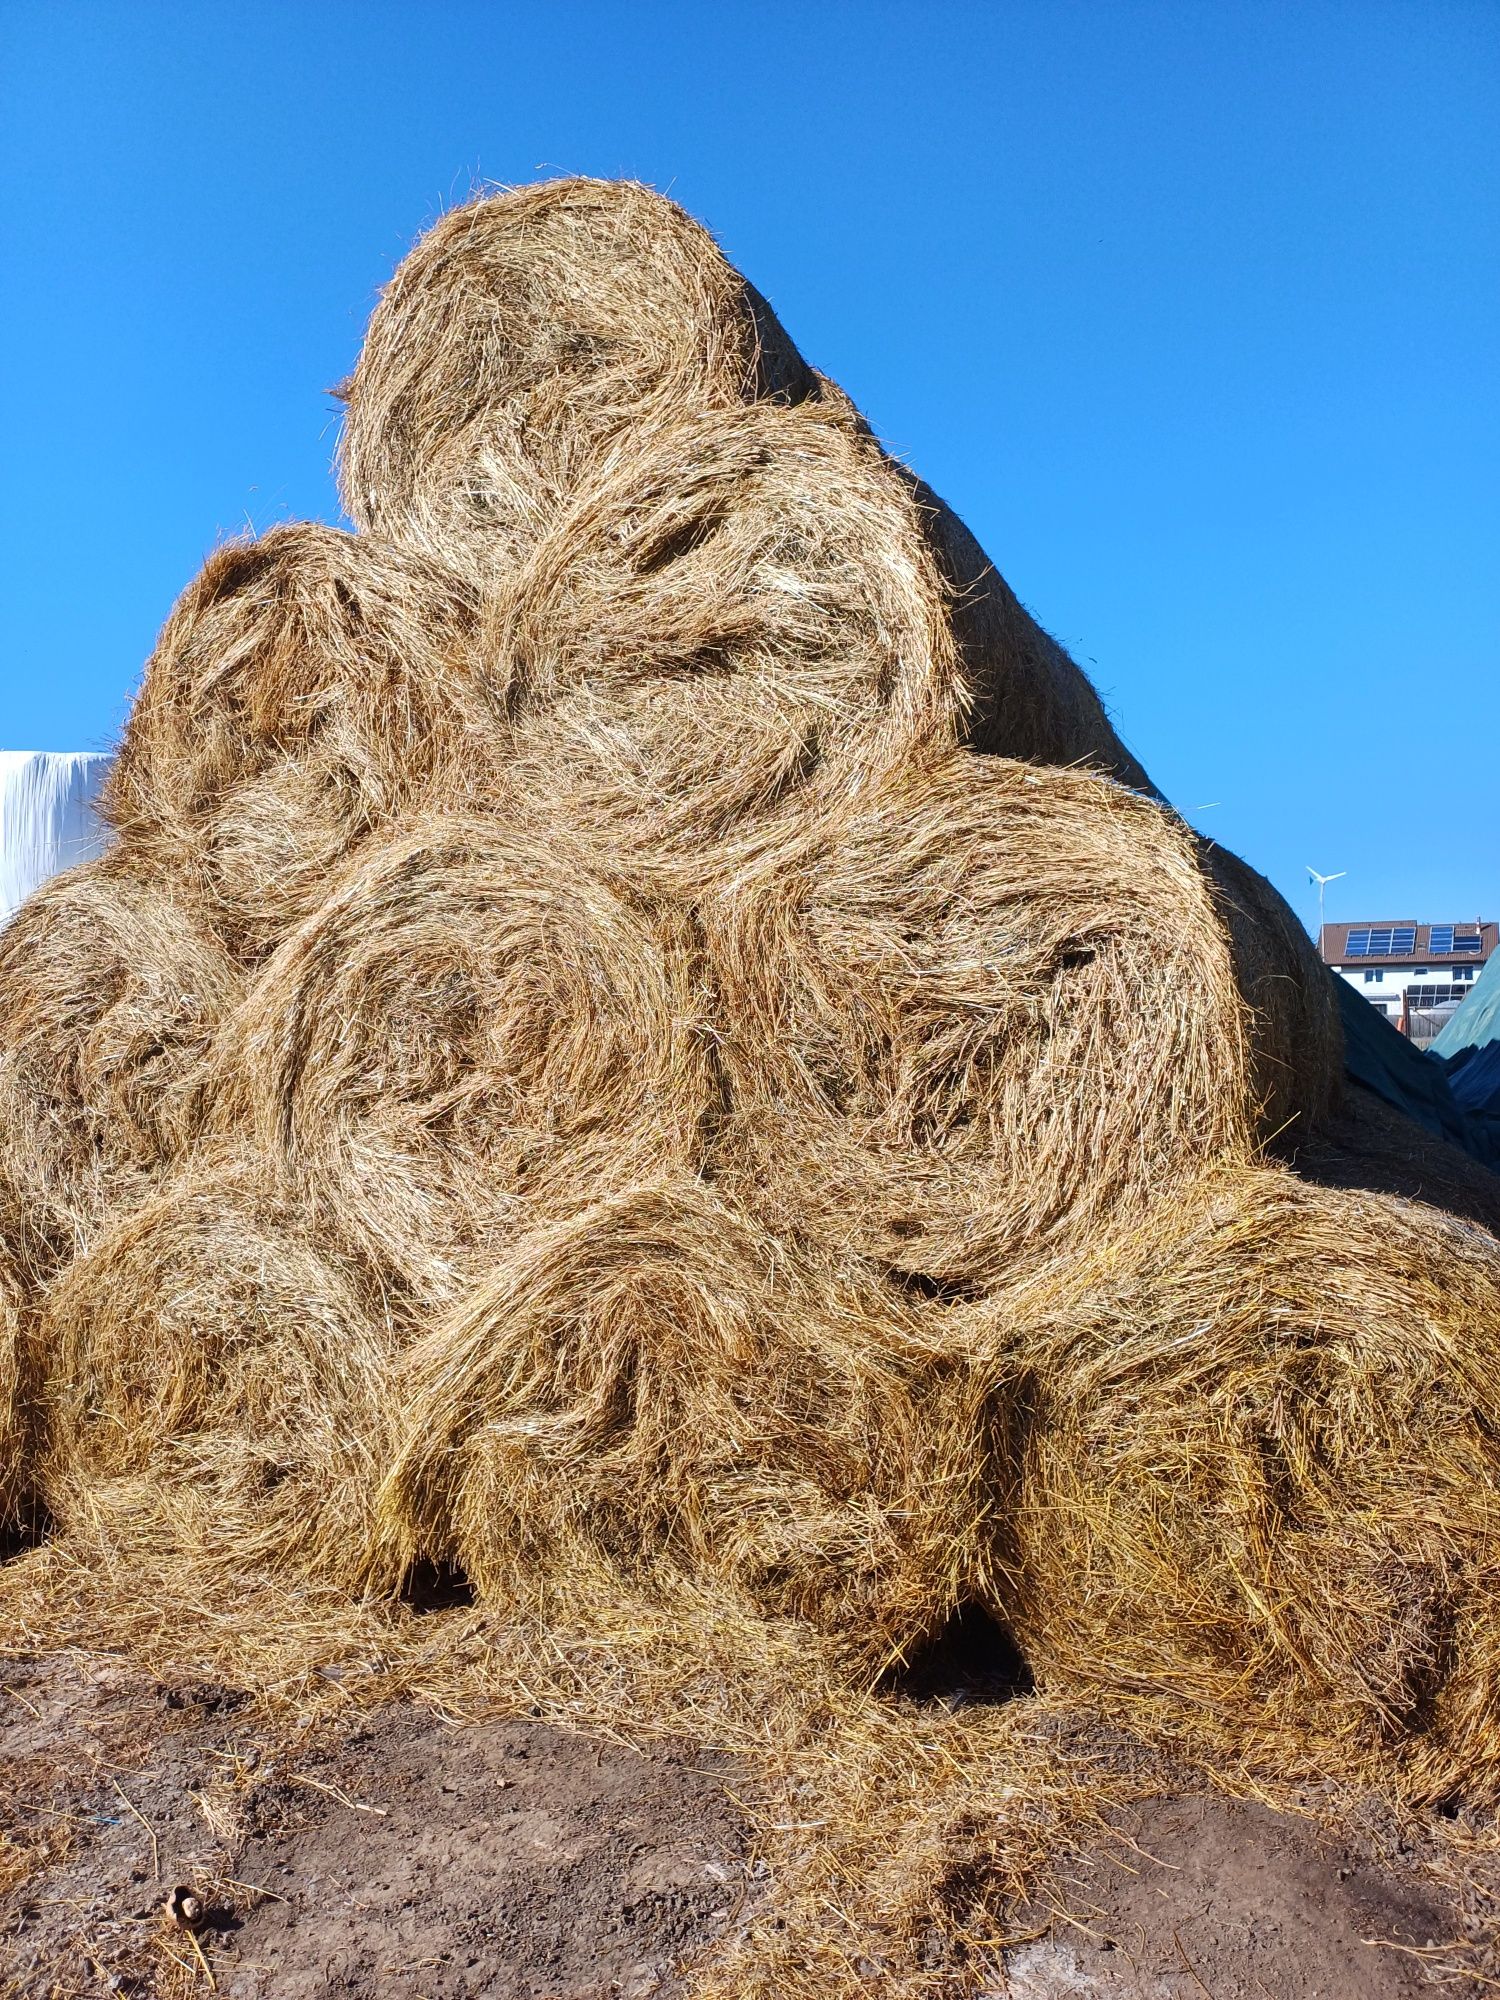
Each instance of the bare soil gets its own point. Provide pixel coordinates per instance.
(1226, 1898)
(394, 1853)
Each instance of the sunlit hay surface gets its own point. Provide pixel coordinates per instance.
(652, 1389)
(475, 1027)
(975, 1016)
(216, 1382)
(536, 338)
(307, 689)
(740, 607)
(1262, 1481)
(1296, 1034)
(110, 993)
(544, 327)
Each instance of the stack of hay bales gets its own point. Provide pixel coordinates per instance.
(642, 1023)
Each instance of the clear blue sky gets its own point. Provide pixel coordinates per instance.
(1190, 309)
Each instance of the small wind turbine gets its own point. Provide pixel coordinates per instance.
(1323, 882)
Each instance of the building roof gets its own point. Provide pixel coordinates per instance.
(1374, 941)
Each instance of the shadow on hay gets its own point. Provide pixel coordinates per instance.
(1367, 1145)
(28, 1526)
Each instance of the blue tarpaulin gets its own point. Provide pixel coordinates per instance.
(1381, 1058)
(1477, 1021)
(1469, 1050)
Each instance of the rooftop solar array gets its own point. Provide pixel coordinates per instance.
(1449, 940)
(1393, 941)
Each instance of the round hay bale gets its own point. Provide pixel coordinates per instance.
(1263, 1474)
(983, 1013)
(1295, 1029)
(543, 325)
(308, 688)
(217, 1383)
(536, 339)
(476, 1021)
(740, 607)
(651, 1388)
(110, 993)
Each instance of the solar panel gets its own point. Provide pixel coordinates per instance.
(1448, 940)
(1391, 941)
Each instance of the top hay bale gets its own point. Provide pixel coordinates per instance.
(546, 323)
(534, 339)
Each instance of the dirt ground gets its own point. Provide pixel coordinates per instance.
(158, 1842)
(396, 1855)
(1226, 1898)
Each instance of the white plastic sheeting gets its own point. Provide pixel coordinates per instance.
(48, 817)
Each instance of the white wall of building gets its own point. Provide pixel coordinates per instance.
(1384, 985)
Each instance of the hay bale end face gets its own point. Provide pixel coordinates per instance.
(307, 690)
(111, 992)
(653, 1388)
(473, 1029)
(740, 611)
(1263, 1479)
(983, 1013)
(216, 1385)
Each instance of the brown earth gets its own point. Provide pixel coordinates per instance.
(1226, 1898)
(394, 1853)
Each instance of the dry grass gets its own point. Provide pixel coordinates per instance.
(976, 1017)
(1261, 1488)
(540, 335)
(654, 1389)
(527, 336)
(217, 1384)
(17, 1374)
(308, 689)
(475, 1027)
(737, 613)
(110, 993)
